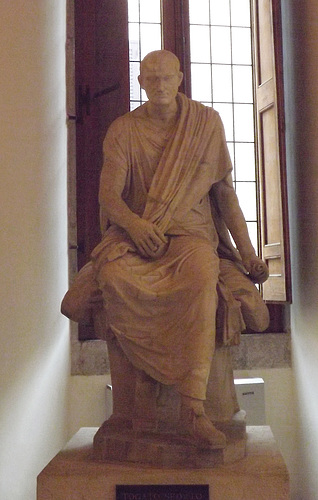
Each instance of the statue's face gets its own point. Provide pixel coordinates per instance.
(160, 79)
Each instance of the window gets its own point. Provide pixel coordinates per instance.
(222, 72)
(222, 77)
(104, 89)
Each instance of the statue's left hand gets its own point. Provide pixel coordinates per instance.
(256, 268)
(148, 238)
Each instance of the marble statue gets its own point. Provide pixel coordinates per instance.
(166, 284)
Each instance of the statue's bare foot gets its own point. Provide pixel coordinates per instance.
(197, 425)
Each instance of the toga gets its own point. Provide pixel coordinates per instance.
(163, 311)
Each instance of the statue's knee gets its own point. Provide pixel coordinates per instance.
(108, 274)
(256, 318)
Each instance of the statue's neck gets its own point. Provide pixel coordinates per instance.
(163, 116)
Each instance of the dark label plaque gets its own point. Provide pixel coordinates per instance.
(163, 492)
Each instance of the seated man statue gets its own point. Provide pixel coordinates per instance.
(166, 262)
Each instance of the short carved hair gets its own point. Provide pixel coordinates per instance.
(157, 56)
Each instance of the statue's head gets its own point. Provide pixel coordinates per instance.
(160, 76)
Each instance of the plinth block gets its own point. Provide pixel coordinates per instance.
(74, 474)
(170, 449)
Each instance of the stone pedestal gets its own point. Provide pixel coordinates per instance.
(74, 475)
(165, 447)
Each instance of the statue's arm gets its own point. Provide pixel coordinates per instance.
(146, 236)
(112, 182)
(233, 217)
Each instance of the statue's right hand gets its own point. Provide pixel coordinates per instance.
(147, 237)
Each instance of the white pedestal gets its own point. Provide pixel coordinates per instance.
(74, 475)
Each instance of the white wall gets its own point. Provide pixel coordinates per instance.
(301, 82)
(34, 354)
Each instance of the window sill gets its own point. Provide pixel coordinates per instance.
(269, 350)
(262, 350)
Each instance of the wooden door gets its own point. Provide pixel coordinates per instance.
(102, 94)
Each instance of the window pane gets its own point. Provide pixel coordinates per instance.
(220, 12)
(150, 11)
(242, 84)
(253, 232)
(240, 13)
(201, 82)
(244, 122)
(200, 44)
(226, 114)
(221, 45)
(230, 146)
(134, 48)
(241, 46)
(199, 11)
(150, 36)
(221, 83)
(245, 161)
(134, 84)
(246, 194)
(144, 37)
(230, 67)
(133, 11)
(134, 105)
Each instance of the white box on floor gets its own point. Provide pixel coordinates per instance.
(251, 398)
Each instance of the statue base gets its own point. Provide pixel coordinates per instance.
(170, 449)
(74, 473)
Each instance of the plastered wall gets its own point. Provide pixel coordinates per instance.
(301, 91)
(34, 353)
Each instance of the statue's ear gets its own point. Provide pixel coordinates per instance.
(140, 82)
(180, 77)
